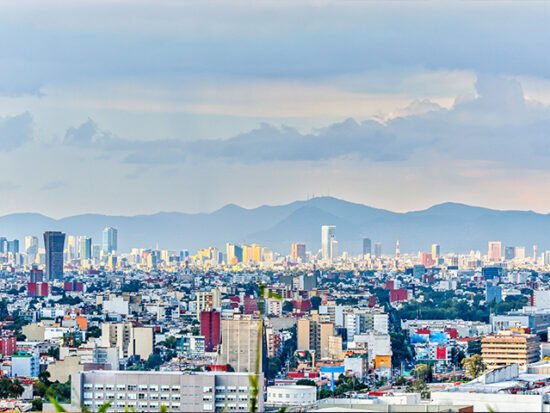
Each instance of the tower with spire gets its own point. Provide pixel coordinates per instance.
(397, 249)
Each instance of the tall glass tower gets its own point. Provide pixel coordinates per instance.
(54, 241)
(110, 240)
(328, 234)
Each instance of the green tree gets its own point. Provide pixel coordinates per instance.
(288, 306)
(419, 386)
(36, 404)
(474, 366)
(171, 342)
(424, 372)
(153, 362)
(305, 382)
(94, 331)
(273, 367)
(230, 368)
(315, 302)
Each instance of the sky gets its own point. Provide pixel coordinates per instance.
(135, 107)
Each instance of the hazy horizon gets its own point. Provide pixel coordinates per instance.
(127, 108)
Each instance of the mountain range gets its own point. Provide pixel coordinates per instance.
(456, 227)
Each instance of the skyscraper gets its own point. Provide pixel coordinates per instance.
(436, 252)
(397, 250)
(110, 240)
(85, 248)
(54, 241)
(298, 252)
(328, 234)
(509, 253)
(210, 329)
(366, 246)
(31, 245)
(377, 250)
(495, 250)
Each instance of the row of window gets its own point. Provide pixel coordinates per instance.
(133, 387)
(153, 405)
(132, 396)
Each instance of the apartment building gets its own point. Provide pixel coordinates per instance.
(129, 340)
(499, 350)
(240, 347)
(147, 391)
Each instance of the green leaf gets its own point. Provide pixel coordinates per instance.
(163, 408)
(104, 407)
(58, 407)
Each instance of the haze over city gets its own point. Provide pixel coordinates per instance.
(228, 206)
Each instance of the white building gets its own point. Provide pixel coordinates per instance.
(25, 365)
(280, 396)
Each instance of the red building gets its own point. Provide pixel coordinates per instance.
(8, 345)
(36, 275)
(427, 260)
(72, 285)
(399, 295)
(250, 304)
(210, 329)
(37, 289)
(389, 285)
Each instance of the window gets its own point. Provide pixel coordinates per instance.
(98, 386)
(154, 404)
(154, 387)
(88, 403)
(231, 397)
(175, 405)
(243, 397)
(109, 387)
(164, 387)
(99, 395)
(207, 406)
(142, 387)
(88, 386)
(176, 388)
(207, 398)
(232, 388)
(207, 389)
(132, 396)
(110, 396)
(177, 397)
(220, 388)
(120, 396)
(154, 396)
(132, 387)
(243, 389)
(142, 396)
(120, 404)
(121, 387)
(165, 396)
(142, 404)
(88, 395)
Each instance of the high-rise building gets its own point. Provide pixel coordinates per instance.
(313, 334)
(436, 251)
(72, 247)
(85, 247)
(366, 246)
(129, 340)
(495, 250)
(397, 249)
(210, 329)
(13, 246)
(520, 253)
(240, 346)
(328, 235)
(500, 350)
(534, 254)
(509, 253)
(377, 250)
(208, 300)
(3, 244)
(298, 252)
(54, 242)
(234, 254)
(31, 244)
(110, 240)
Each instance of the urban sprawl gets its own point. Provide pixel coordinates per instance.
(245, 328)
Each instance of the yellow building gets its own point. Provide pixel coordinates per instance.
(506, 348)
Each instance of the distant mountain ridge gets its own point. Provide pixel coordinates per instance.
(456, 227)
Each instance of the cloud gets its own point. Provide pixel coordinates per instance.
(15, 131)
(53, 185)
(87, 134)
(7, 186)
